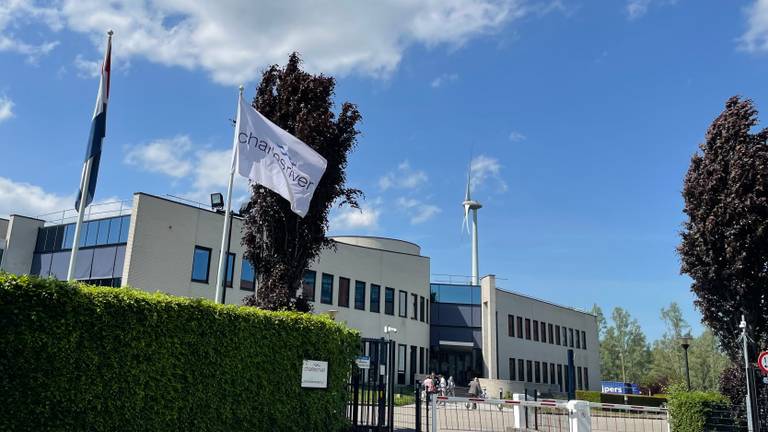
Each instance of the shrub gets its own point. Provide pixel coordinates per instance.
(76, 357)
(588, 395)
(690, 411)
(595, 396)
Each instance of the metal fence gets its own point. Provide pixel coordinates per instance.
(627, 418)
(95, 211)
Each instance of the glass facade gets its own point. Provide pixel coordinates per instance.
(458, 294)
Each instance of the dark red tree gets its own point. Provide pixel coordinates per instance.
(279, 243)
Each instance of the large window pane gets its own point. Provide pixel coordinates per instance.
(230, 271)
(247, 276)
(93, 231)
(125, 225)
(40, 245)
(103, 235)
(402, 304)
(201, 262)
(422, 316)
(464, 294)
(326, 291)
(114, 231)
(360, 295)
(344, 292)
(50, 239)
(375, 298)
(389, 301)
(308, 285)
(414, 306)
(58, 238)
(69, 236)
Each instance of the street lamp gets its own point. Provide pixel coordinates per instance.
(332, 314)
(685, 342)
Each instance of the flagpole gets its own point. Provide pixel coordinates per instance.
(221, 275)
(80, 214)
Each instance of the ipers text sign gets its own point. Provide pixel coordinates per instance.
(314, 374)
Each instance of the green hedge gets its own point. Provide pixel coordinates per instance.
(691, 411)
(77, 358)
(594, 396)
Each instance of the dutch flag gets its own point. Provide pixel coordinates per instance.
(98, 130)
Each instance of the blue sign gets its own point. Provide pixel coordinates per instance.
(618, 387)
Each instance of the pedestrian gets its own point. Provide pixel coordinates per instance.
(428, 386)
(443, 387)
(474, 391)
(451, 386)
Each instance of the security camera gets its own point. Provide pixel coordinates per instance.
(389, 329)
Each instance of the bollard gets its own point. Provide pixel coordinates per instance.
(517, 411)
(433, 402)
(579, 417)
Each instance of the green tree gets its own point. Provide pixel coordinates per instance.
(601, 325)
(707, 362)
(667, 364)
(624, 351)
(279, 243)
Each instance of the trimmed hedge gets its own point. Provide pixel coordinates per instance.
(595, 396)
(693, 411)
(75, 357)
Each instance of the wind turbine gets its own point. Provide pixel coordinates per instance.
(472, 205)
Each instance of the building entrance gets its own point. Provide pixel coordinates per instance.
(462, 364)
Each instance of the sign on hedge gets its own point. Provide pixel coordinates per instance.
(314, 374)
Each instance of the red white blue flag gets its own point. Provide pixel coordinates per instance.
(98, 130)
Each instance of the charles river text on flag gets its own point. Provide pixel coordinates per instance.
(275, 159)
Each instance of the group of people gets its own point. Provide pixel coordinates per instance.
(438, 384)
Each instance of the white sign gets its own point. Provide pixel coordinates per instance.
(762, 361)
(314, 374)
(363, 362)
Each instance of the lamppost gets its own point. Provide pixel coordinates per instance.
(685, 342)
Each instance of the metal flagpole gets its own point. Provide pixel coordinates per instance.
(85, 179)
(221, 275)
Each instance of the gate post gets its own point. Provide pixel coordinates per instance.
(433, 402)
(517, 411)
(579, 417)
(417, 394)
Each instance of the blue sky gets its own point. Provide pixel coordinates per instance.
(580, 117)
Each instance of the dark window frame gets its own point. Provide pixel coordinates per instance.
(343, 298)
(243, 263)
(415, 313)
(511, 325)
(377, 303)
(402, 306)
(583, 340)
(570, 337)
(544, 373)
(578, 339)
(557, 335)
(519, 327)
(550, 328)
(359, 305)
(389, 306)
(527, 329)
(521, 370)
(323, 278)
(512, 372)
(308, 294)
(535, 330)
(207, 266)
(537, 372)
(529, 371)
(229, 277)
(422, 309)
(543, 332)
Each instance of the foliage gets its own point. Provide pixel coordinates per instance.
(724, 246)
(707, 362)
(76, 357)
(667, 364)
(624, 342)
(690, 411)
(732, 386)
(641, 400)
(279, 243)
(588, 395)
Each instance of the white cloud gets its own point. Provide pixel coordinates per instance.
(444, 79)
(404, 177)
(486, 168)
(6, 108)
(418, 211)
(637, 8)
(756, 37)
(30, 200)
(516, 136)
(165, 156)
(365, 218)
(233, 39)
(87, 68)
(14, 14)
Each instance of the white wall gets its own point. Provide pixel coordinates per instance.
(508, 303)
(21, 237)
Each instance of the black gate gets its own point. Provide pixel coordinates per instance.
(371, 396)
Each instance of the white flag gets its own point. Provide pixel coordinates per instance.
(275, 159)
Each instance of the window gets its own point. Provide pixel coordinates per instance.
(308, 285)
(375, 298)
(551, 333)
(510, 325)
(579, 378)
(520, 327)
(389, 301)
(552, 377)
(427, 307)
(512, 374)
(401, 364)
(565, 377)
(535, 330)
(201, 261)
(69, 236)
(543, 332)
(538, 372)
(413, 364)
(586, 378)
(584, 342)
(565, 336)
(103, 234)
(93, 231)
(248, 276)
(125, 225)
(421, 360)
(402, 304)
(114, 230)
(529, 370)
(326, 289)
(544, 373)
(229, 270)
(415, 311)
(560, 375)
(528, 328)
(557, 335)
(578, 339)
(570, 337)
(421, 308)
(360, 295)
(520, 370)
(343, 292)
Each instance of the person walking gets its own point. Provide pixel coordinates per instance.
(451, 386)
(474, 391)
(443, 387)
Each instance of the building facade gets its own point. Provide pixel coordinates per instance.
(159, 244)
